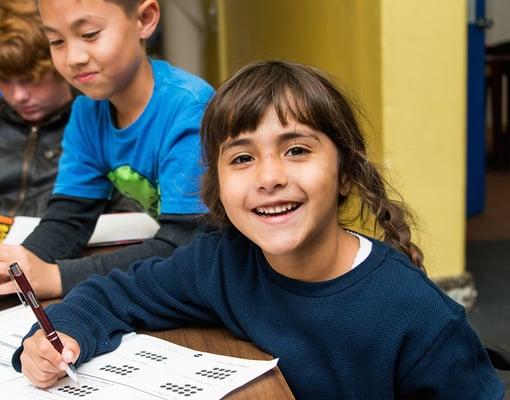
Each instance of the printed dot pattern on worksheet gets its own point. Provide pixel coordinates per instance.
(151, 356)
(122, 370)
(216, 373)
(81, 391)
(184, 390)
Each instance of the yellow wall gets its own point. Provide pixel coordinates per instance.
(405, 62)
(340, 37)
(423, 108)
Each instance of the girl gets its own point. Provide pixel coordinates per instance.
(348, 316)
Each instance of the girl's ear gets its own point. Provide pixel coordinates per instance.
(148, 17)
(344, 188)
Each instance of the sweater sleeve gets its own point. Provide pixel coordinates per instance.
(175, 230)
(455, 366)
(155, 294)
(65, 227)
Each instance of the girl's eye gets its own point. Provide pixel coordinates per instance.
(90, 35)
(242, 159)
(296, 151)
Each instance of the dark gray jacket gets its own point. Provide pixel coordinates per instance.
(28, 161)
(29, 155)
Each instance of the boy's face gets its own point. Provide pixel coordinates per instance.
(94, 45)
(34, 101)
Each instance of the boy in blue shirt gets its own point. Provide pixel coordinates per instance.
(35, 105)
(136, 131)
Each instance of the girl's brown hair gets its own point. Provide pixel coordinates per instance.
(24, 48)
(309, 97)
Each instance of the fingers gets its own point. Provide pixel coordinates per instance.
(39, 371)
(8, 255)
(41, 363)
(6, 285)
(71, 350)
(44, 277)
(4, 275)
(43, 384)
(7, 288)
(68, 357)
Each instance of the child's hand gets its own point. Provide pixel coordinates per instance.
(42, 364)
(44, 277)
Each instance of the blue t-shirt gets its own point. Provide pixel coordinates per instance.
(155, 161)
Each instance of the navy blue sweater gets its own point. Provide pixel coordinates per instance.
(381, 331)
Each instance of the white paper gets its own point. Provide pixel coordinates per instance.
(20, 229)
(110, 229)
(15, 323)
(145, 367)
(123, 227)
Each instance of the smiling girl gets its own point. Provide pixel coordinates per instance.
(349, 316)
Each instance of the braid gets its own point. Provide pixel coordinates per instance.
(392, 216)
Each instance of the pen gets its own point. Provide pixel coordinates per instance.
(27, 296)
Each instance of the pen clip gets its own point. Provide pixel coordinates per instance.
(20, 294)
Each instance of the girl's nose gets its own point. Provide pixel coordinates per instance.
(271, 173)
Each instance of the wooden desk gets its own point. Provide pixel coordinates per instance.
(271, 385)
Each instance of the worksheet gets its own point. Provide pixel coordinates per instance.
(146, 367)
(15, 323)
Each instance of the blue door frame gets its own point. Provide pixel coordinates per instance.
(476, 109)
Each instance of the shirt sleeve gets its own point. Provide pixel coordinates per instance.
(455, 366)
(180, 166)
(174, 231)
(65, 227)
(81, 170)
(155, 294)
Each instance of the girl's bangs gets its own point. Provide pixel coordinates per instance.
(288, 101)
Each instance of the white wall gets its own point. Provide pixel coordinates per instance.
(184, 26)
(499, 12)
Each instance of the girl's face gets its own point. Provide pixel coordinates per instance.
(279, 186)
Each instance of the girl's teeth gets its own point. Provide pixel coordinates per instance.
(276, 209)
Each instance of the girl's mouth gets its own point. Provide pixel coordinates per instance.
(274, 211)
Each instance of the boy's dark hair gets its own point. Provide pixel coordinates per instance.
(24, 48)
(129, 6)
(308, 96)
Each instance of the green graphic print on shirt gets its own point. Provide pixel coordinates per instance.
(136, 187)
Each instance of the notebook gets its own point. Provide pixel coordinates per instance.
(111, 229)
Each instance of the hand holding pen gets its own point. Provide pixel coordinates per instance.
(28, 297)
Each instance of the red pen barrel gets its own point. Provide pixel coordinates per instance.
(28, 296)
(35, 305)
(55, 341)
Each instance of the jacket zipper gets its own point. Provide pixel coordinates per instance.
(28, 156)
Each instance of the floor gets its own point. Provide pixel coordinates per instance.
(488, 259)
